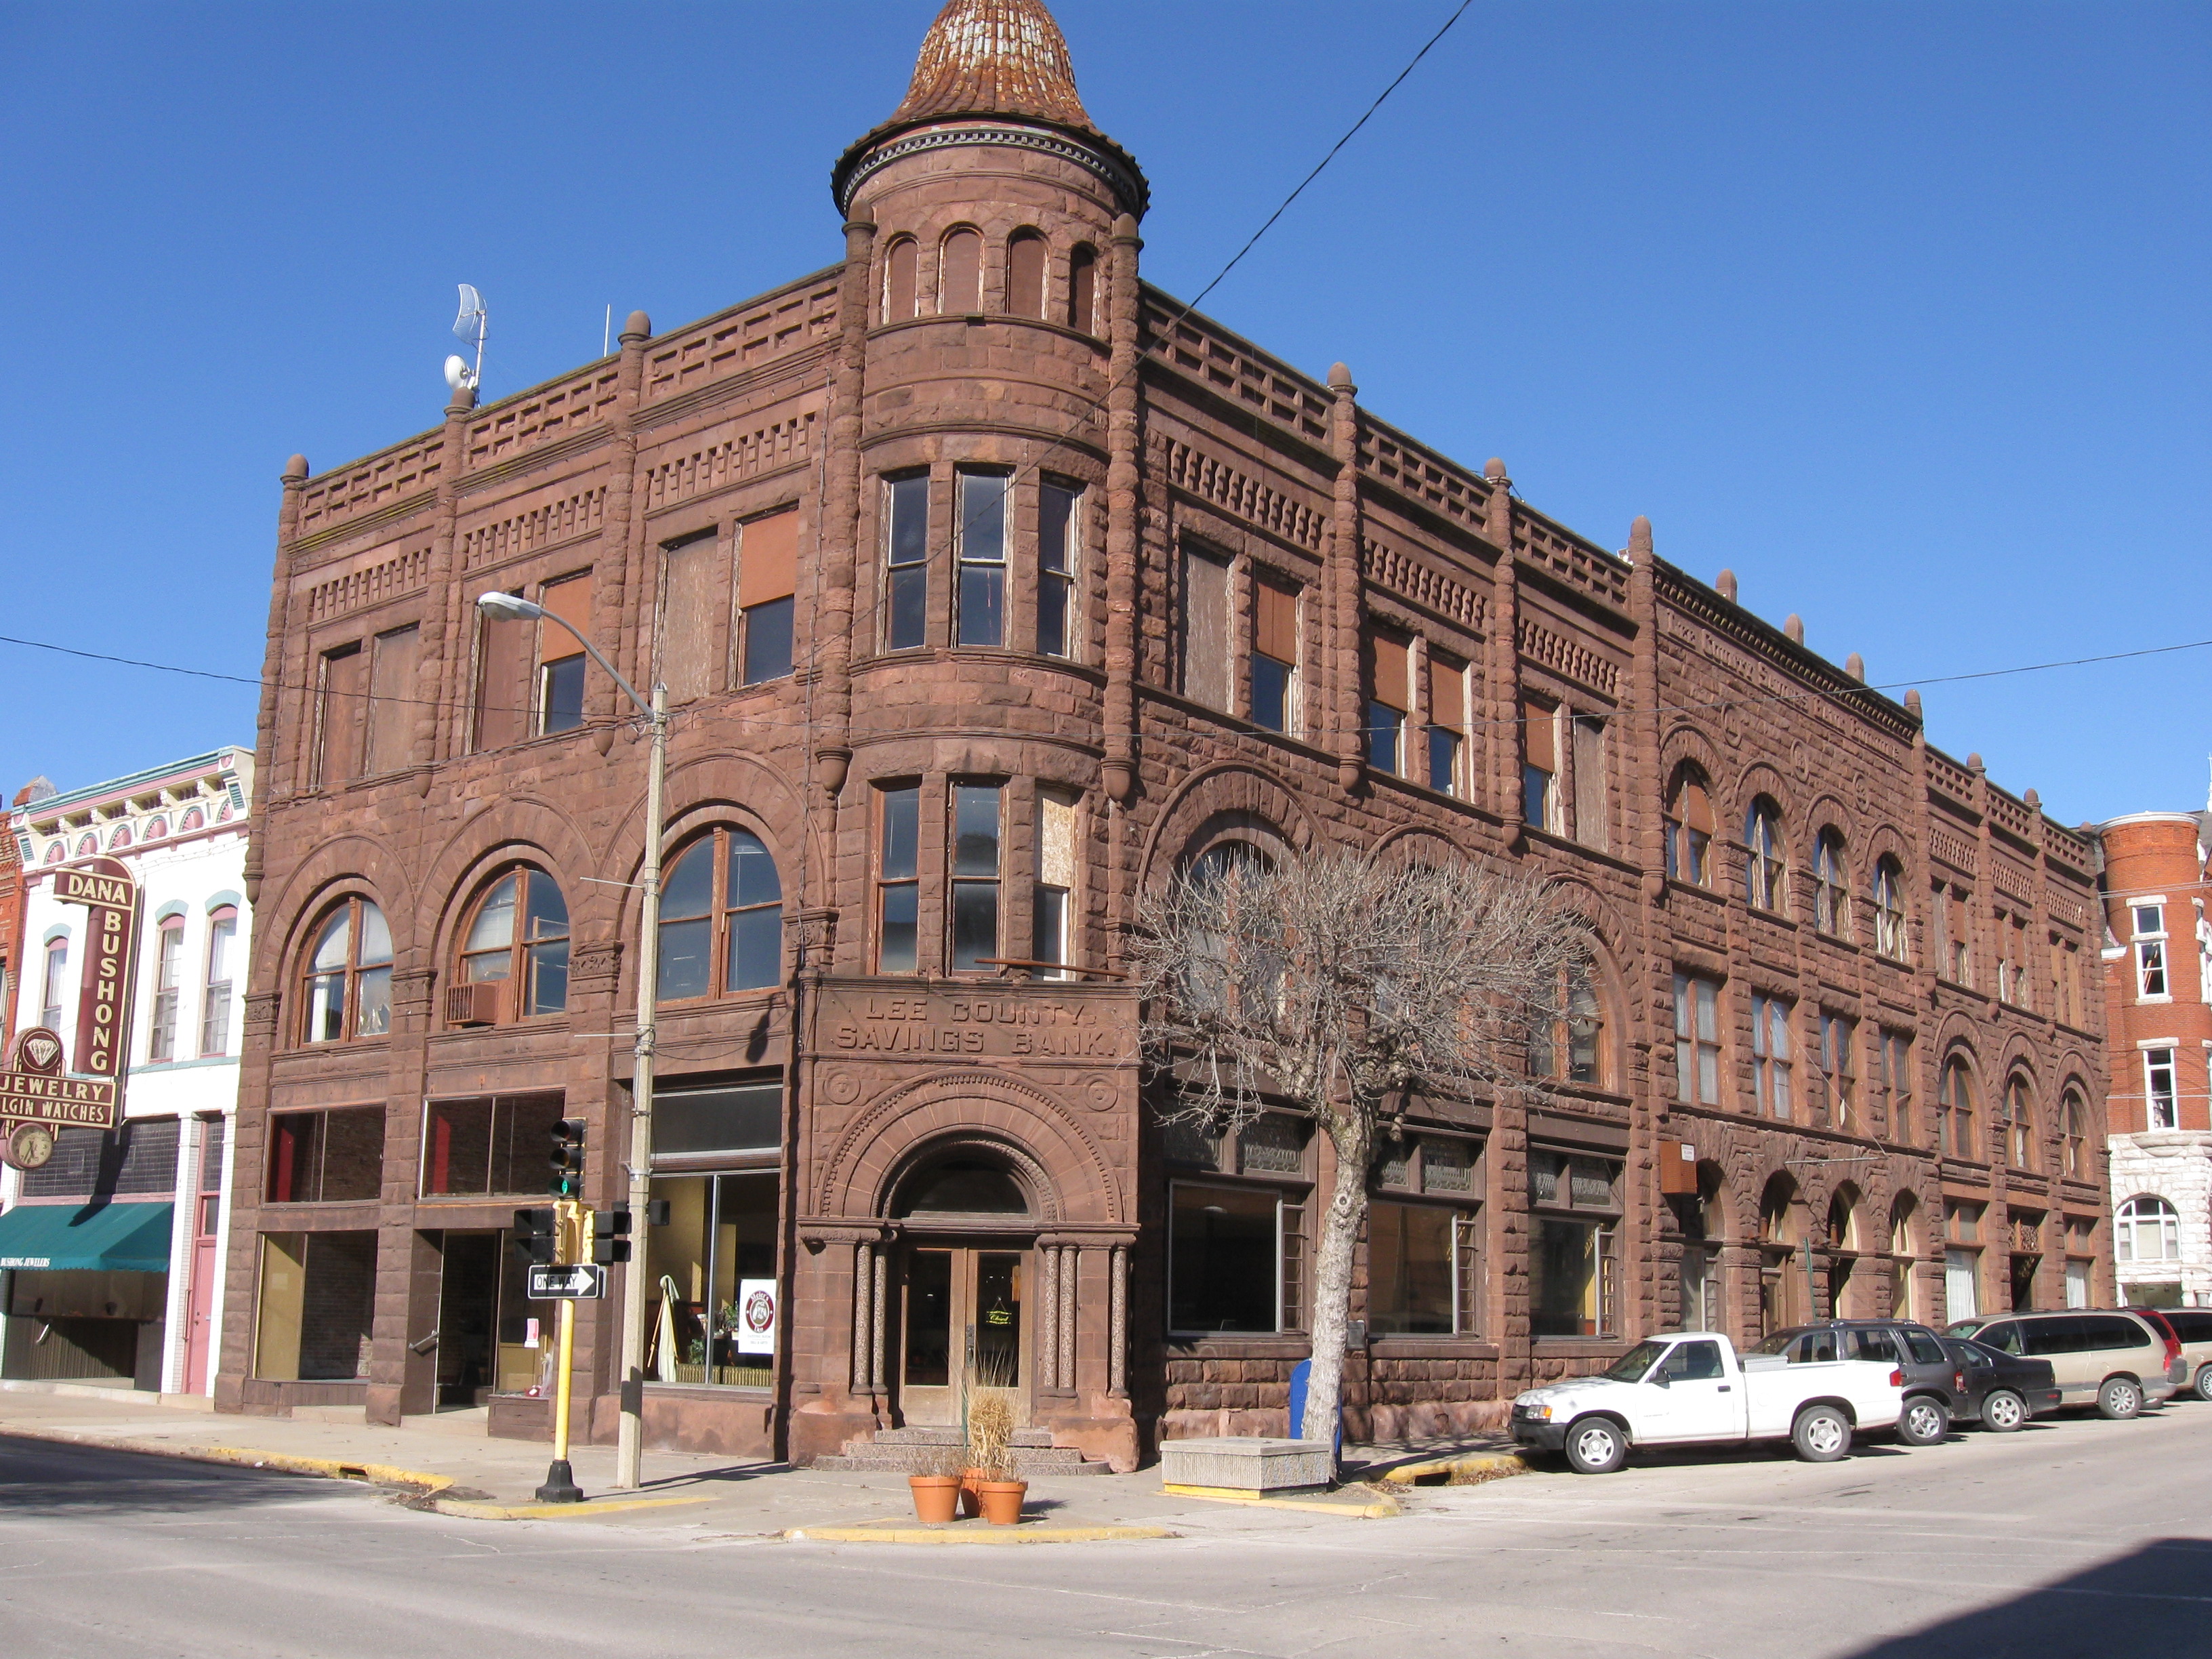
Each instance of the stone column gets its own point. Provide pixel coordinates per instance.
(1341, 576)
(1118, 774)
(620, 585)
(441, 723)
(1502, 742)
(1117, 1346)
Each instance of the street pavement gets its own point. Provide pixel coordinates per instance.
(2077, 1537)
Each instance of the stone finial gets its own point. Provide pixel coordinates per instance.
(1794, 626)
(1974, 761)
(1726, 584)
(638, 328)
(1339, 379)
(994, 57)
(464, 399)
(1854, 666)
(1125, 227)
(1639, 540)
(1912, 703)
(296, 469)
(2034, 800)
(1494, 470)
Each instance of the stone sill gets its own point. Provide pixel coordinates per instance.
(1432, 1347)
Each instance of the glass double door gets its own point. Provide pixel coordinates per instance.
(961, 1328)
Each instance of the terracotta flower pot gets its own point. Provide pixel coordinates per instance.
(1002, 1501)
(971, 1482)
(936, 1497)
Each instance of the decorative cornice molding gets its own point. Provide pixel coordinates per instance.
(1118, 172)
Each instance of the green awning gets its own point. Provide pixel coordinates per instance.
(111, 1238)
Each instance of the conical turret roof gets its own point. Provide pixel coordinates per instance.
(993, 57)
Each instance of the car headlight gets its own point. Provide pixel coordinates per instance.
(1537, 1414)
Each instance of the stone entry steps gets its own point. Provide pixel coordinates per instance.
(1034, 1456)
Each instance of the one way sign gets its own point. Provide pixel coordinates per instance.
(581, 1281)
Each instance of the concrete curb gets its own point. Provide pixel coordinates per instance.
(1469, 1470)
(1379, 1508)
(244, 1458)
(956, 1534)
(552, 1511)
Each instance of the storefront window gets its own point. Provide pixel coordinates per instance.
(1577, 1207)
(1424, 1276)
(317, 1296)
(716, 1250)
(1224, 1258)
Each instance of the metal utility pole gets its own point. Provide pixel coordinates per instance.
(629, 1443)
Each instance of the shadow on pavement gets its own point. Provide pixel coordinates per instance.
(40, 1477)
(2156, 1599)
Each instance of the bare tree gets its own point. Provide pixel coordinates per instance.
(1338, 983)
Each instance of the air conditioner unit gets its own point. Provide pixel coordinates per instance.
(482, 1004)
(1677, 1168)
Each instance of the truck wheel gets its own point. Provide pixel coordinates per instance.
(2120, 1398)
(2204, 1382)
(2003, 1411)
(1596, 1445)
(1925, 1423)
(1821, 1434)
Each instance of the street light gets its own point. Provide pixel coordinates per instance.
(629, 1443)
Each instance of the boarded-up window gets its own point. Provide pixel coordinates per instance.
(1204, 630)
(1540, 766)
(687, 620)
(960, 289)
(899, 271)
(1052, 908)
(345, 685)
(501, 656)
(1083, 290)
(1590, 782)
(1026, 275)
(391, 699)
(1447, 722)
(768, 578)
(560, 657)
(1390, 686)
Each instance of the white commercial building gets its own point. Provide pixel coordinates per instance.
(112, 1253)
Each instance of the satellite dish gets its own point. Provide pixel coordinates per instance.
(457, 372)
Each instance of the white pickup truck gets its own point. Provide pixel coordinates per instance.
(1692, 1389)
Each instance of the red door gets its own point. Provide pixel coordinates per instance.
(199, 1321)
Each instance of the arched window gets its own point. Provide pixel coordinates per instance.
(901, 265)
(1025, 274)
(1083, 289)
(1889, 930)
(2147, 1229)
(2020, 1124)
(1843, 1219)
(168, 987)
(2076, 1150)
(87, 844)
(120, 839)
(960, 281)
(1831, 893)
(157, 827)
(721, 918)
(216, 993)
(1766, 885)
(54, 984)
(347, 985)
(194, 818)
(961, 1185)
(1690, 828)
(519, 936)
(1904, 1248)
(1954, 1113)
(1571, 1046)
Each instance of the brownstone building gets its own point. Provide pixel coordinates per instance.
(994, 586)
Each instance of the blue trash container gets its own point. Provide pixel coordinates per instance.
(1299, 1373)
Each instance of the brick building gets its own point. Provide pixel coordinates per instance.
(992, 587)
(2158, 975)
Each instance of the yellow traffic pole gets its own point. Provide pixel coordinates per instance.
(572, 1233)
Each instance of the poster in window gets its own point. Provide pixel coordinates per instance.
(756, 1316)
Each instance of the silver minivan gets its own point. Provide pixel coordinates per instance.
(2118, 1362)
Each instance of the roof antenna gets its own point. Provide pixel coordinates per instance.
(607, 333)
(469, 325)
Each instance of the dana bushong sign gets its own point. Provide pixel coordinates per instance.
(111, 937)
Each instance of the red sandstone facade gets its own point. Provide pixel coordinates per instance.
(1083, 585)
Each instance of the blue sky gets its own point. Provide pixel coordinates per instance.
(1897, 310)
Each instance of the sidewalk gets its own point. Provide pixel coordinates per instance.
(446, 1463)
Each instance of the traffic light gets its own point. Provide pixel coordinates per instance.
(611, 1237)
(568, 1159)
(537, 1235)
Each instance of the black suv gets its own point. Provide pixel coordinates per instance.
(1934, 1386)
(2001, 1391)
